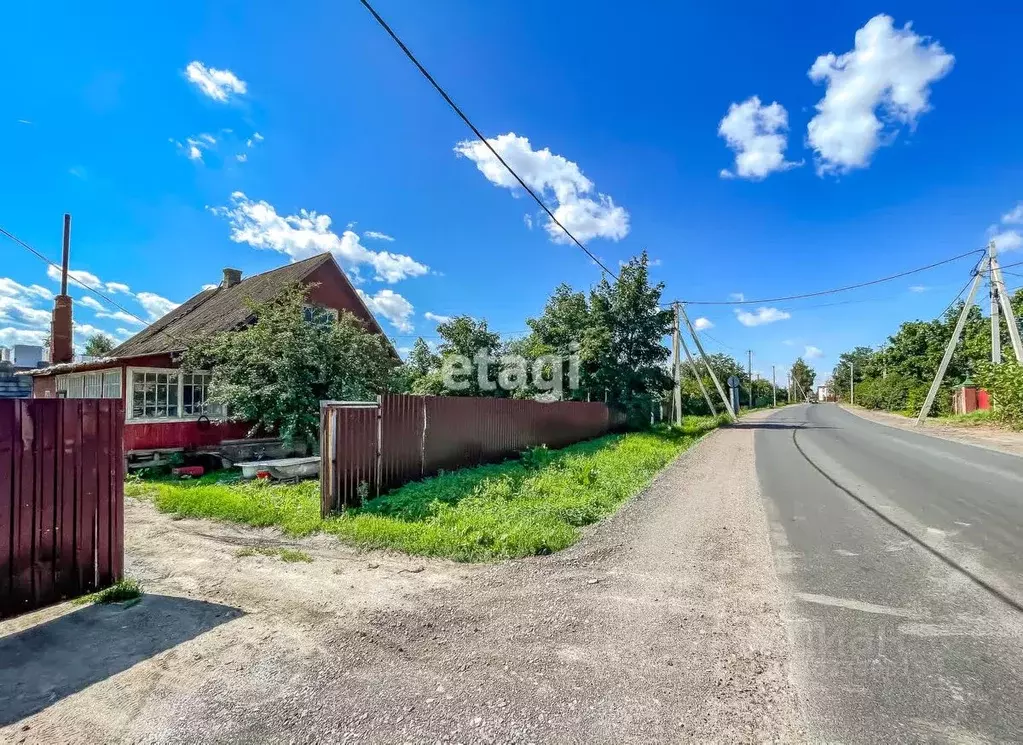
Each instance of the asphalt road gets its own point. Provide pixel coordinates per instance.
(901, 557)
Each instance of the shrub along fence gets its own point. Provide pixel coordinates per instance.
(370, 448)
(61, 500)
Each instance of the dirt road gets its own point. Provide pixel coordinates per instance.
(662, 624)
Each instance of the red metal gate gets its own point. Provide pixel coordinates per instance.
(61, 500)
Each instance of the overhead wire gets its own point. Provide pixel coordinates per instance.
(835, 289)
(461, 114)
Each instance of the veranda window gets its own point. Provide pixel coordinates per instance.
(170, 394)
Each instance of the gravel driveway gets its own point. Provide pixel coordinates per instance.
(661, 625)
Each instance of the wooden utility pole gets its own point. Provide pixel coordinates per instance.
(1010, 315)
(750, 353)
(774, 388)
(692, 366)
(675, 337)
(949, 350)
(996, 335)
(706, 362)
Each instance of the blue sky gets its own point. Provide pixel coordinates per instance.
(110, 116)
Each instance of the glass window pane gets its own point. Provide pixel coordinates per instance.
(138, 395)
(112, 384)
(172, 398)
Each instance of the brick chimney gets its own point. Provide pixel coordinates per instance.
(61, 338)
(232, 277)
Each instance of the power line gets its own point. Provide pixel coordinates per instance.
(71, 276)
(836, 289)
(468, 123)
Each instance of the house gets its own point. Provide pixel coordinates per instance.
(15, 359)
(165, 408)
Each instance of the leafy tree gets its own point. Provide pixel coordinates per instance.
(468, 338)
(98, 345)
(420, 364)
(275, 372)
(804, 375)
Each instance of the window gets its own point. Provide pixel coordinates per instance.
(195, 394)
(171, 394)
(318, 315)
(99, 384)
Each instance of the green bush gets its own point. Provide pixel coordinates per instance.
(1005, 384)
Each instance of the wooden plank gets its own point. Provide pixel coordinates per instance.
(24, 508)
(7, 435)
(67, 480)
(45, 415)
(104, 469)
(117, 502)
(85, 527)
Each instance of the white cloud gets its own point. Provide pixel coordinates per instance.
(528, 220)
(10, 336)
(737, 296)
(436, 318)
(701, 324)
(812, 352)
(756, 133)
(761, 316)
(90, 302)
(155, 305)
(210, 287)
(917, 288)
(241, 157)
(888, 69)
(391, 306)
(219, 85)
(378, 236)
(120, 315)
(1007, 240)
(256, 137)
(20, 310)
(582, 210)
(1014, 216)
(116, 287)
(307, 234)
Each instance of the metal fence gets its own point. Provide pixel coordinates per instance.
(61, 500)
(370, 448)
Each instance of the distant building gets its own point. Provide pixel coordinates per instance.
(824, 392)
(11, 385)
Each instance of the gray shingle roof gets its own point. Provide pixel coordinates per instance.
(216, 310)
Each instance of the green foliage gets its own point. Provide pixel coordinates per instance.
(99, 345)
(897, 376)
(275, 372)
(124, 591)
(804, 375)
(287, 555)
(518, 508)
(1005, 383)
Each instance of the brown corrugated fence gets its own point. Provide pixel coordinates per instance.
(61, 500)
(371, 448)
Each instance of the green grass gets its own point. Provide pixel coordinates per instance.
(973, 419)
(286, 554)
(525, 507)
(120, 592)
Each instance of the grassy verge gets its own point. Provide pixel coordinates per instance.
(288, 555)
(973, 419)
(121, 592)
(535, 505)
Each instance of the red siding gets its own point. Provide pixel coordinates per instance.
(329, 287)
(155, 435)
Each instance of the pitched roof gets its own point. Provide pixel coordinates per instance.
(219, 309)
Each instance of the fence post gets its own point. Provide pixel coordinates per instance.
(380, 437)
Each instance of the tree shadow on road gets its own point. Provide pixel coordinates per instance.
(55, 659)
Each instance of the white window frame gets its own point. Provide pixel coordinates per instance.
(129, 396)
(76, 383)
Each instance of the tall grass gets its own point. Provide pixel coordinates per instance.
(534, 505)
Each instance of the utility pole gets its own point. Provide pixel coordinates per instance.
(852, 385)
(996, 336)
(949, 350)
(1007, 311)
(678, 369)
(750, 353)
(699, 378)
(884, 361)
(703, 355)
(774, 389)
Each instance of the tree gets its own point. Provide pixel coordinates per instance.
(804, 375)
(98, 345)
(275, 372)
(468, 339)
(421, 362)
